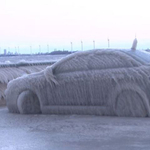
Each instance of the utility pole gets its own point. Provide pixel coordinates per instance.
(47, 48)
(81, 46)
(71, 46)
(31, 50)
(39, 48)
(108, 42)
(8, 50)
(15, 49)
(18, 50)
(93, 44)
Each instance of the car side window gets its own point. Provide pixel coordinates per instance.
(96, 61)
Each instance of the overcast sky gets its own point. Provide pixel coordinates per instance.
(59, 22)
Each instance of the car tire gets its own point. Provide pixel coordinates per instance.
(130, 100)
(28, 103)
(130, 103)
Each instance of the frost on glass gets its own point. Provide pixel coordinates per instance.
(99, 82)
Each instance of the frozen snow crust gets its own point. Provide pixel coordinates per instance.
(96, 82)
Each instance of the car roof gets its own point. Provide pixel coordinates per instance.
(140, 55)
(96, 59)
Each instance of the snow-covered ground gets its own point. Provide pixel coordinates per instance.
(72, 132)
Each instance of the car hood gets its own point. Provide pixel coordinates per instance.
(17, 86)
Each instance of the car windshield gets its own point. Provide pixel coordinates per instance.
(140, 55)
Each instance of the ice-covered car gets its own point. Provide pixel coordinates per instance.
(97, 82)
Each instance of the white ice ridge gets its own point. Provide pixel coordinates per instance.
(97, 82)
(12, 71)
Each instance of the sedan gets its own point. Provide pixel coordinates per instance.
(94, 82)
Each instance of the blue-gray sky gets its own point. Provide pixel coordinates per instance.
(59, 22)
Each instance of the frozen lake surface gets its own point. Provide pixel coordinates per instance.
(41, 58)
(72, 132)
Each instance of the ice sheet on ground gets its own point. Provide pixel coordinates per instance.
(72, 132)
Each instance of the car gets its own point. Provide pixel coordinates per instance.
(95, 82)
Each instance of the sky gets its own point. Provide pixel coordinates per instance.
(26, 24)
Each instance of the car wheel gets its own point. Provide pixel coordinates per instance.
(130, 103)
(28, 103)
(128, 99)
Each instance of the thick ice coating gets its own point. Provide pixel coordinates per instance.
(96, 82)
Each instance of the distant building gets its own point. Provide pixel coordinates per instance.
(16, 53)
(5, 52)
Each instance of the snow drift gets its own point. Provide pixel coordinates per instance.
(98, 82)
